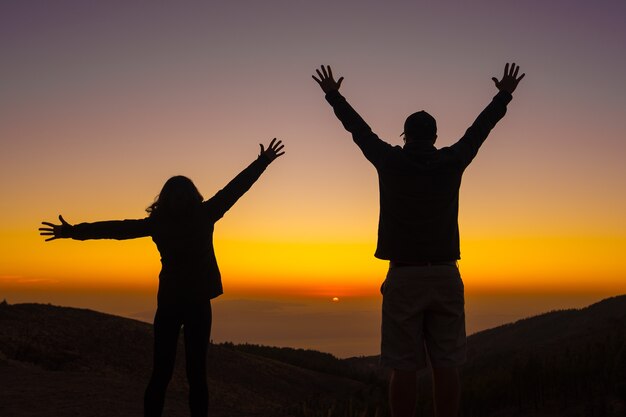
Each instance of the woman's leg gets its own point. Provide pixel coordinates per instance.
(197, 329)
(166, 329)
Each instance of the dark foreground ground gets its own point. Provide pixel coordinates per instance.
(59, 361)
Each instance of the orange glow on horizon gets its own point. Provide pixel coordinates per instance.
(316, 269)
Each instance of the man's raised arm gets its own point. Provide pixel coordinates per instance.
(467, 147)
(371, 145)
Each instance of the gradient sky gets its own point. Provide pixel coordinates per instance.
(101, 102)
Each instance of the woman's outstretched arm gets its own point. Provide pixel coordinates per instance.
(113, 229)
(219, 204)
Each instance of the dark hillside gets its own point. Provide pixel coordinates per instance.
(57, 361)
(67, 361)
(569, 363)
(563, 363)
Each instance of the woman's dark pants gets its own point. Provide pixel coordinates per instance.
(195, 319)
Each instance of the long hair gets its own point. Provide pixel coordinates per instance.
(178, 197)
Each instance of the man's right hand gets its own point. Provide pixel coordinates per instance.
(509, 80)
(326, 81)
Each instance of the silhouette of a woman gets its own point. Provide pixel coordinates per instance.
(181, 225)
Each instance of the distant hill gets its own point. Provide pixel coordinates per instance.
(559, 364)
(562, 363)
(59, 361)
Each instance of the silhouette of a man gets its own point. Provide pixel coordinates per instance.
(423, 318)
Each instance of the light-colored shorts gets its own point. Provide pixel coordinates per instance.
(423, 318)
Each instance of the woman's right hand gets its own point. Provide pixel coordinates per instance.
(57, 231)
(273, 151)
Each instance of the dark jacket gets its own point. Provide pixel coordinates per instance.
(419, 184)
(189, 270)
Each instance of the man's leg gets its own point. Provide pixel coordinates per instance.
(446, 391)
(402, 393)
(444, 329)
(402, 342)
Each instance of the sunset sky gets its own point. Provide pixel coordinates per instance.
(101, 102)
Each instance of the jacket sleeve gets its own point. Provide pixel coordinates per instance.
(467, 147)
(370, 144)
(221, 202)
(113, 229)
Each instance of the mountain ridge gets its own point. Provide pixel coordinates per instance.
(565, 362)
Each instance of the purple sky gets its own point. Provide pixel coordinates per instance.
(102, 101)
